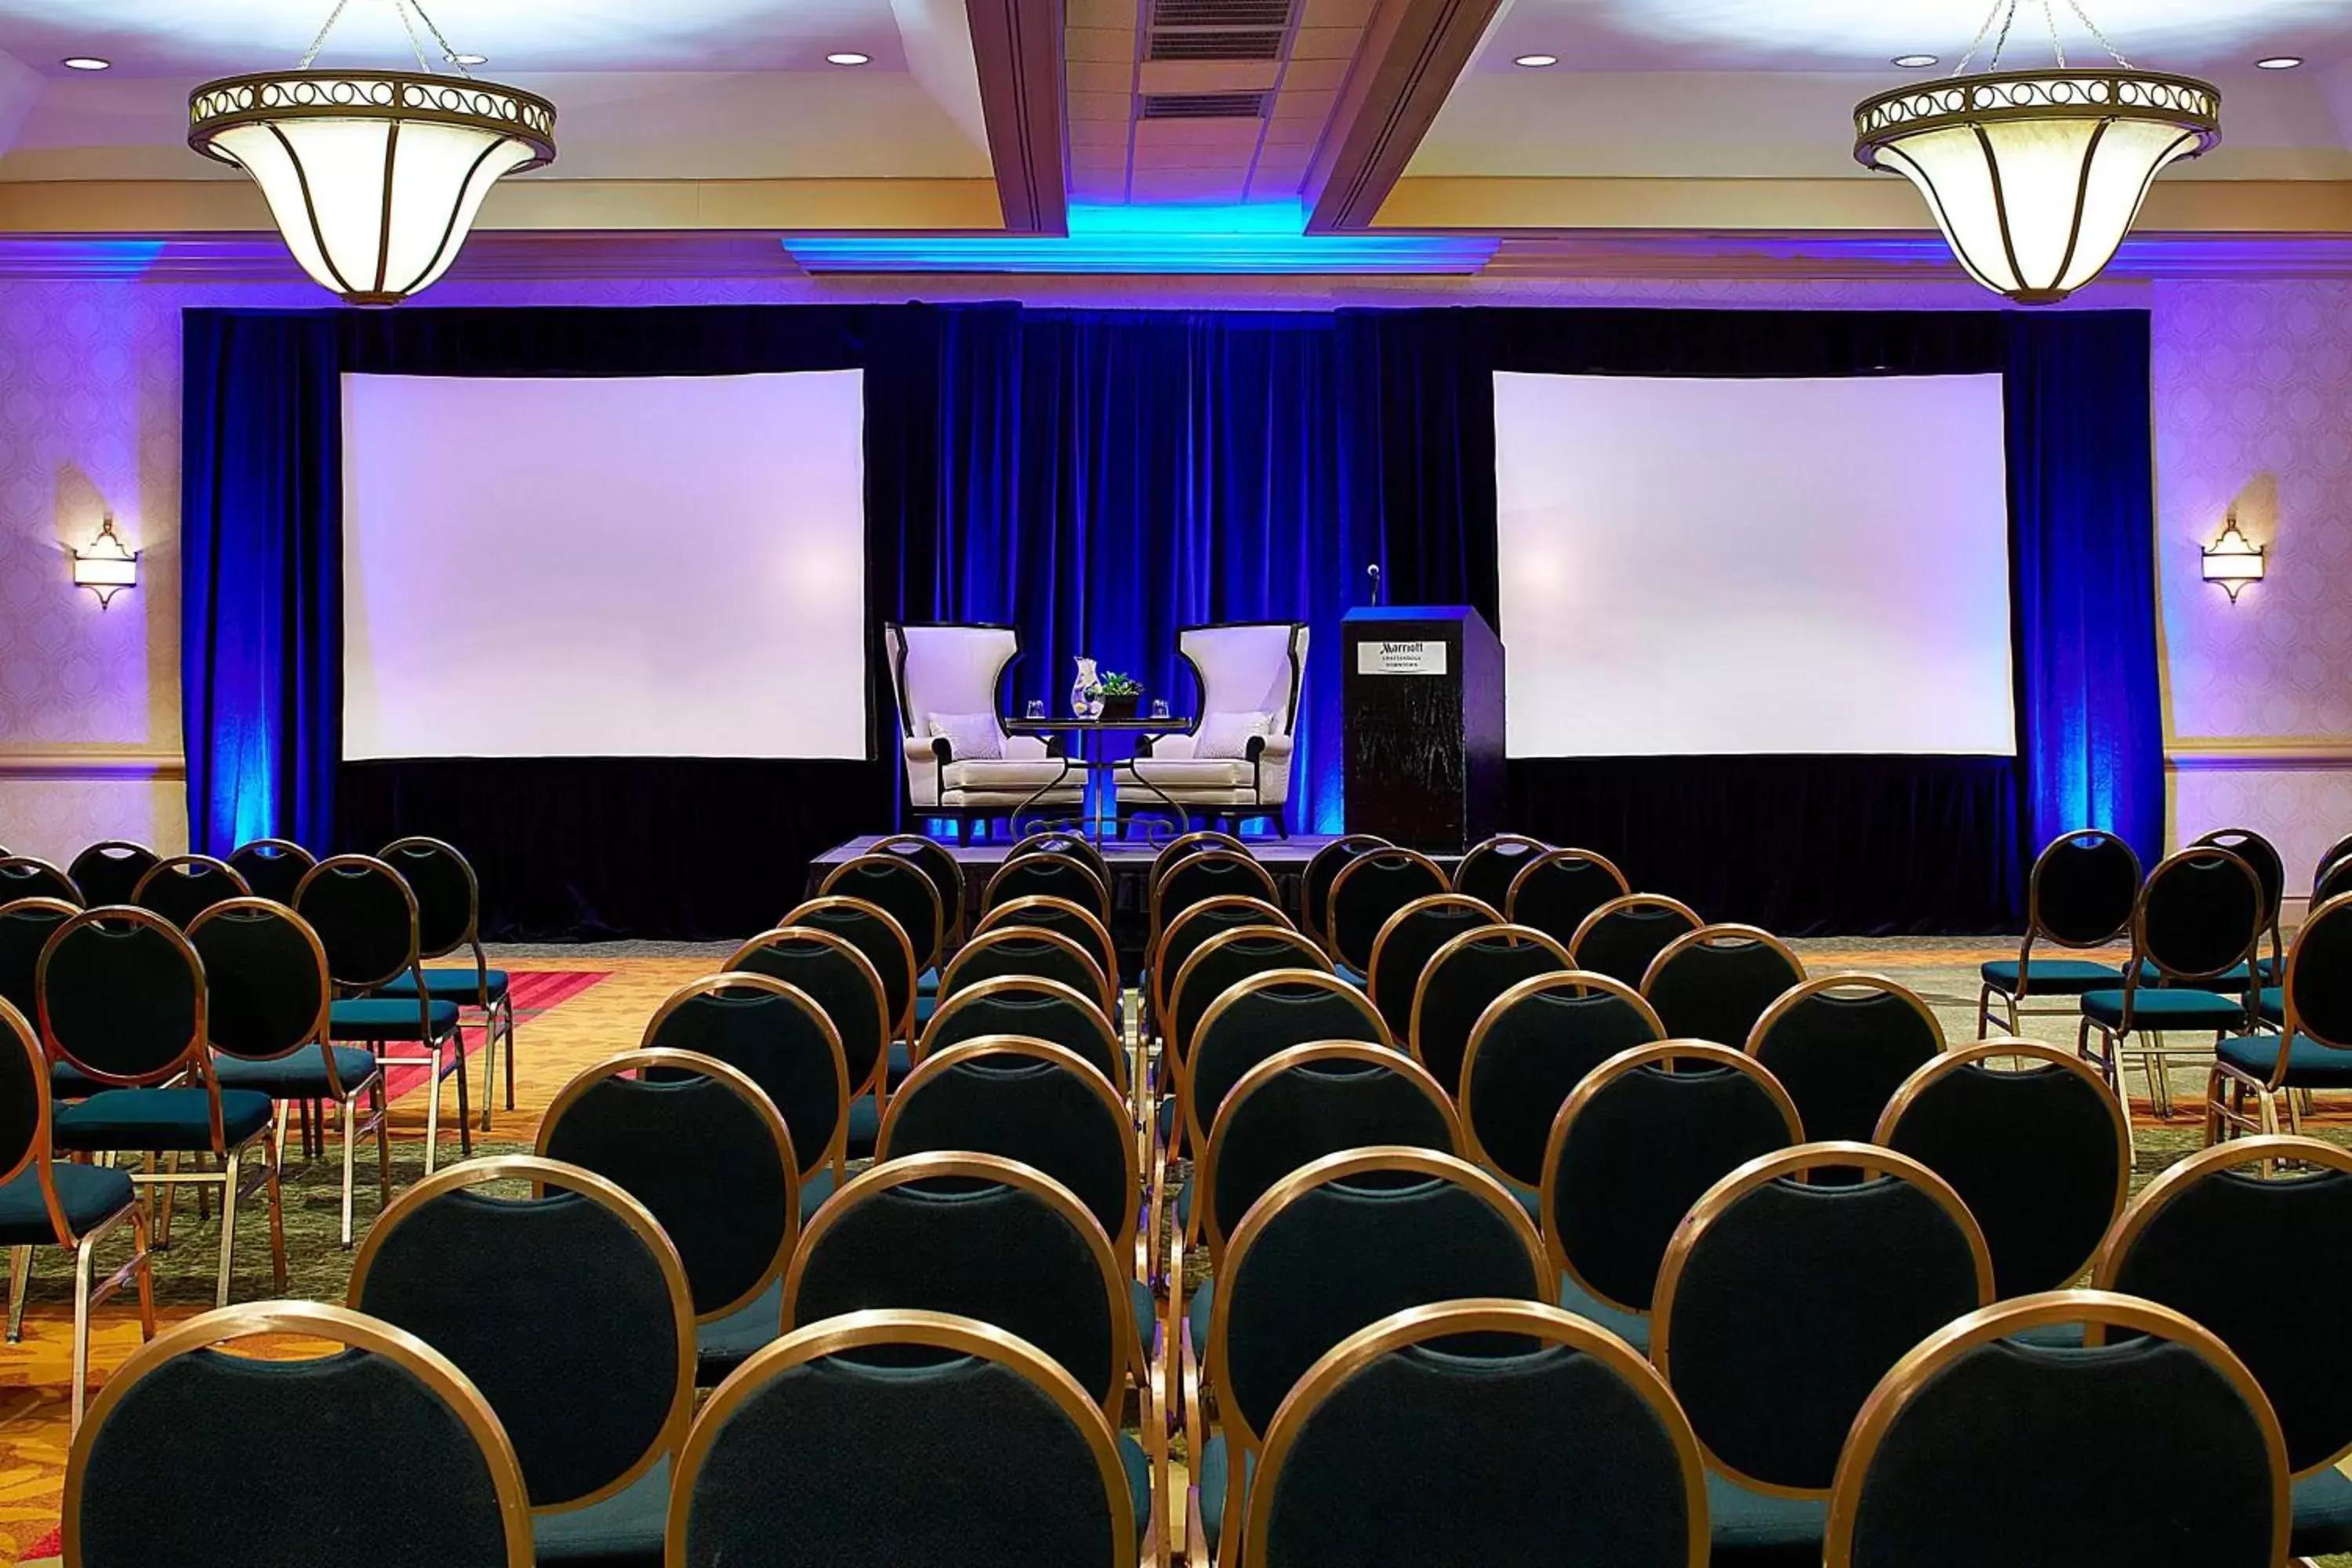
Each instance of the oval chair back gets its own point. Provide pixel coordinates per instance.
(1597, 1462)
(776, 1036)
(164, 1470)
(448, 895)
(1849, 1276)
(1207, 873)
(2199, 915)
(2333, 882)
(1487, 868)
(980, 1236)
(1062, 918)
(1642, 1139)
(1527, 1052)
(26, 876)
(185, 886)
(939, 863)
(568, 1307)
(1075, 845)
(1323, 868)
(1005, 951)
(2232, 1238)
(872, 929)
(2196, 1472)
(267, 987)
(903, 890)
(1224, 961)
(109, 872)
(978, 1438)
(1030, 1008)
(831, 971)
(2082, 890)
(122, 998)
(1300, 1104)
(1027, 1100)
(365, 915)
(2262, 858)
(1625, 936)
(1842, 1045)
(2038, 1149)
(1368, 888)
(2332, 855)
(1465, 977)
(25, 1123)
(1189, 929)
(25, 927)
(1558, 890)
(2315, 1000)
(1263, 1015)
(1407, 940)
(272, 867)
(1713, 984)
(710, 1156)
(1184, 846)
(1052, 874)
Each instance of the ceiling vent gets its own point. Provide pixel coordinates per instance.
(1219, 29)
(1275, 13)
(1218, 44)
(1204, 105)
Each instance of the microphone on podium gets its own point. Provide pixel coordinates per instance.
(1373, 572)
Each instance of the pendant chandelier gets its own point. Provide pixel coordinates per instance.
(374, 176)
(2034, 176)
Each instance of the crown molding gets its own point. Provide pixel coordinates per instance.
(2267, 753)
(122, 766)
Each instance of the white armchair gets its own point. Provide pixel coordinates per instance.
(961, 763)
(1235, 761)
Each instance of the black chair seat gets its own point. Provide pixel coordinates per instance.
(462, 986)
(90, 1195)
(1632, 1327)
(2310, 1064)
(2233, 978)
(1757, 1529)
(301, 1076)
(725, 1343)
(2151, 1009)
(170, 1120)
(2272, 1003)
(624, 1531)
(2051, 976)
(2323, 1515)
(379, 1019)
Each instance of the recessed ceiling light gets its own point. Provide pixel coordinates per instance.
(85, 63)
(1916, 62)
(469, 59)
(847, 57)
(2279, 63)
(1536, 62)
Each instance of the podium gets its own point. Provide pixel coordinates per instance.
(1421, 693)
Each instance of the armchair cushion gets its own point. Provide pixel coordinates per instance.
(1005, 774)
(1228, 735)
(1175, 773)
(971, 737)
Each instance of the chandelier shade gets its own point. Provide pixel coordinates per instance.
(2035, 177)
(374, 177)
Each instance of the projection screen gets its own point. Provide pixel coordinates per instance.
(1702, 566)
(605, 567)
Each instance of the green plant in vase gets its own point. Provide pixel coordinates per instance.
(1121, 695)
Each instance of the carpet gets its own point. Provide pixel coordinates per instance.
(533, 992)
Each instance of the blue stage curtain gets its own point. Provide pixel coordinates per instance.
(261, 576)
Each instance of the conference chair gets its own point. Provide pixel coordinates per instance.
(1625, 936)
(1029, 1006)
(1842, 1045)
(1187, 932)
(2197, 918)
(1488, 867)
(2262, 858)
(45, 1202)
(2332, 856)
(569, 1309)
(2079, 895)
(182, 887)
(1646, 1135)
(1332, 1249)
(1465, 977)
(1027, 951)
(1060, 841)
(1186, 845)
(874, 933)
(2243, 1241)
(1781, 1304)
(268, 1006)
(909, 1437)
(830, 970)
(904, 891)
(1558, 890)
(1050, 873)
(1526, 1053)
(1251, 1021)
(25, 927)
(26, 876)
(1565, 1449)
(1235, 763)
(272, 867)
(1233, 956)
(1368, 888)
(2038, 1149)
(377, 1454)
(2312, 1050)
(1323, 868)
(450, 917)
(2333, 881)
(109, 872)
(2189, 1467)
(776, 1036)
(939, 864)
(1715, 983)
(961, 763)
(1208, 874)
(123, 1001)
(1407, 940)
(708, 1155)
(1062, 918)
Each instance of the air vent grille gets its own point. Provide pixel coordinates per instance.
(1218, 44)
(1205, 106)
(1273, 13)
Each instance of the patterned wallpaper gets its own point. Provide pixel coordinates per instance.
(2252, 393)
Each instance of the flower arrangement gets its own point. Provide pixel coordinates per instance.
(1121, 694)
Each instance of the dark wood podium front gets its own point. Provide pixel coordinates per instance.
(1422, 700)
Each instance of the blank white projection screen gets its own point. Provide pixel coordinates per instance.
(593, 567)
(1710, 567)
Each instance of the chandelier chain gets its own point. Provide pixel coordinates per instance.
(2050, 16)
(1982, 31)
(408, 26)
(321, 41)
(448, 51)
(2114, 53)
(2001, 42)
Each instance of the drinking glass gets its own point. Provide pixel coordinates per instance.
(1037, 709)
(1160, 708)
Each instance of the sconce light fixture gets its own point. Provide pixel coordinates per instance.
(2233, 560)
(105, 565)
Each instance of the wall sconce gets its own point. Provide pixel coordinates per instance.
(2233, 560)
(105, 565)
